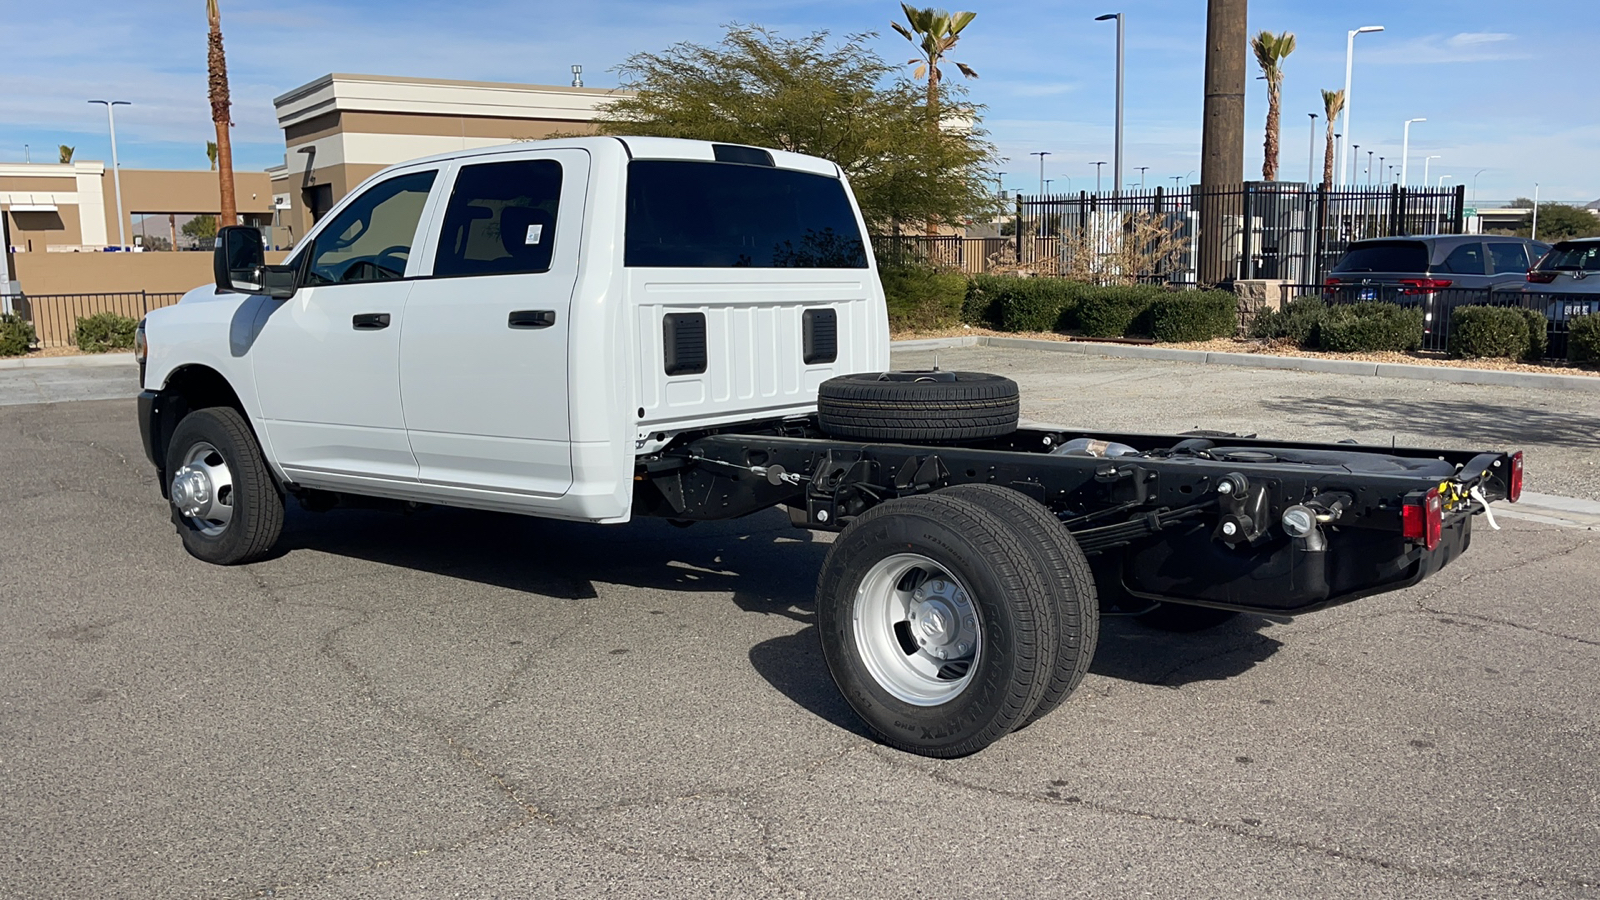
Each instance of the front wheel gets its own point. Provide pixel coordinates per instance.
(936, 625)
(226, 506)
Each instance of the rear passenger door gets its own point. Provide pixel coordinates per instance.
(483, 355)
(1508, 262)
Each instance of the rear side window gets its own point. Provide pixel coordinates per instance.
(1508, 257)
(1572, 257)
(1466, 259)
(684, 214)
(1386, 256)
(501, 219)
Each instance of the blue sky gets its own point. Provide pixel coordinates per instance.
(1485, 74)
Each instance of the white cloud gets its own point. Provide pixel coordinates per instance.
(1474, 38)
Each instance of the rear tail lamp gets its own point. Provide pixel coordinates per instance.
(1537, 277)
(1424, 285)
(1423, 521)
(1514, 483)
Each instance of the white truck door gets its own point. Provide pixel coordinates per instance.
(483, 354)
(327, 360)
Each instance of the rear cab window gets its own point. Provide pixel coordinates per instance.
(1385, 256)
(694, 214)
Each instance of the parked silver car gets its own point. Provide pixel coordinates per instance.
(1569, 268)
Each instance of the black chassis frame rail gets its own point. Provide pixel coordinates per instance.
(1179, 528)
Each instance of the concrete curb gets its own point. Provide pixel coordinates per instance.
(1444, 374)
(55, 362)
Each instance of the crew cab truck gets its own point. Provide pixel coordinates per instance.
(600, 328)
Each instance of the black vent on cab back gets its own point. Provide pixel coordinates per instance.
(820, 328)
(750, 156)
(684, 343)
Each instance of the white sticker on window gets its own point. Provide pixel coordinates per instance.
(534, 233)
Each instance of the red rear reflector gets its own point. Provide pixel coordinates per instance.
(1331, 282)
(1514, 484)
(1538, 277)
(1424, 522)
(1424, 285)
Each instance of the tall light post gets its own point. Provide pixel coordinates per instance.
(1426, 160)
(1405, 148)
(999, 186)
(1349, 65)
(1047, 183)
(1117, 169)
(1041, 154)
(1142, 170)
(1441, 180)
(1533, 234)
(1097, 166)
(1311, 152)
(1369, 166)
(1177, 182)
(1069, 181)
(1356, 174)
(1475, 185)
(116, 170)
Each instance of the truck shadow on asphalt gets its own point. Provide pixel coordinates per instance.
(1482, 423)
(763, 564)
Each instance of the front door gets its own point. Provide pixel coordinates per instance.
(483, 354)
(327, 360)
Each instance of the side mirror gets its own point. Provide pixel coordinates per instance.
(237, 255)
(239, 264)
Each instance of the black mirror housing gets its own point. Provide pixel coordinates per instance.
(239, 264)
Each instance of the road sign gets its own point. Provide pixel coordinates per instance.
(1470, 211)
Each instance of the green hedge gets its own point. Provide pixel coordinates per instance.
(1010, 303)
(1583, 339)
(922, 297)
(1489, 332)
(1117, 311)
(1366, 327)
(16, 335)
(1194, 316)
(1538, 334)
(1297, 321)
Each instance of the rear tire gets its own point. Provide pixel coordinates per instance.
(225, 504)
(936, 624)
(1069, 585)
(918, 407)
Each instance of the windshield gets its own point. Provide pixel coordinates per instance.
(716, 215)
(1572, 257)
(1385, 256)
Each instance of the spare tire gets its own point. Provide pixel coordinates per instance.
(918, 406)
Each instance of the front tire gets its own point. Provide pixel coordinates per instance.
(225, 504)
(936, 624)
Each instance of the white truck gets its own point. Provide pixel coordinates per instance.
(599, 328)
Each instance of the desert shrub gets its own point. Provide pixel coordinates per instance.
(922, 297)
(1194, 315)
(1367, 327)
(1583, 339)
(1025, 304)
(105, 331)
(16, 335)
(1538, 333)
(1297, 321)
(1117, 311)
(1488, 332)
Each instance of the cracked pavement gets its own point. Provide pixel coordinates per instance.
(476, 705)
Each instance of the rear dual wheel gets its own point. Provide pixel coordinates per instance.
(950, 619)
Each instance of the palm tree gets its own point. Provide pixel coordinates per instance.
(66, 153)
(1332, 104)
(934, 32)
(221, 114)
(1271, 50)
(211, 154)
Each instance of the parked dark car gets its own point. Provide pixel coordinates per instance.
(1412, 270)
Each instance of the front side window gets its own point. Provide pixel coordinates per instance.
(501, 219)
(370, 240)
(1466, 259)
(1508, 257)
(688, 214)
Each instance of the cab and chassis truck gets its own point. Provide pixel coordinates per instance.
(599, 328)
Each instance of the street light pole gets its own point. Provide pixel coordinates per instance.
(1475, 185)
(1405, 149)
(1097, 166)
(1117, 169)
(1441, 180)
(1534, 233)
(1349, 65)
(1142, 170)
(116, 170)
(1041, 154)
(1426, 160)
(1311, 152)
(1369, 167)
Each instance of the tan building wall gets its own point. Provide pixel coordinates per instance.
(92, 273)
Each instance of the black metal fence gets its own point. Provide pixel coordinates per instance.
(1438, 306)
(1277, 230)
(55, 316)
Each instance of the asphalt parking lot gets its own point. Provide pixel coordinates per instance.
(458, 704)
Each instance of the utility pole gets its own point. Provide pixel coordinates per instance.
(1222, 136)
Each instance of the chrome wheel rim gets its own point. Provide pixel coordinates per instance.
(202, 490)
(917, 630)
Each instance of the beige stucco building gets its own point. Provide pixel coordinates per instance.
(339, 129)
